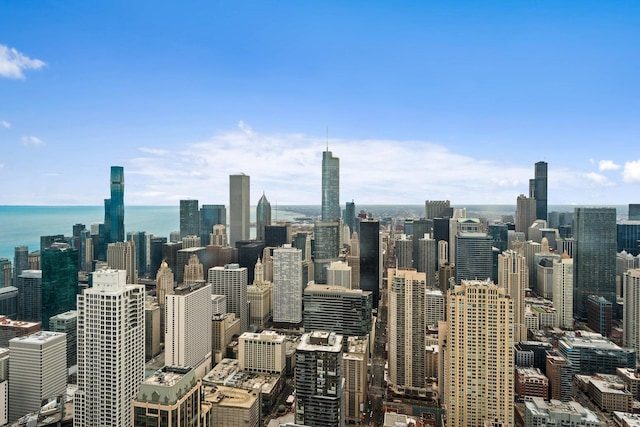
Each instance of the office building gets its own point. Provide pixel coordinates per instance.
(500, 235)
(434, 307)
(474, 256)
(539, 412)
(330, 187)
(319, 380)
(634, 211)
(210, 216)
(560, 372)
(287, 285)
(631, 309)
(262, 352)
(164, 282)
(339, 274)
(20, 261)
(370, 258)
(563, 291)
(628, 237)
(349, 217)
(239, 215)
(326, 237)
(263, 217)
(403, 250)
(188, 328)
(333, 308)
(189, 218)
(219, 236)
(170, 396)
(513, 276)
(122, 256)
(425, 260)
(67, 323)
(538, 189)
(406, 324)
(437, 209)
(279, 234)
(599, 315)
(5, 273)
(525, 214)
(356, 387)
(531, 382)
(248, 253)
(230, 407)
(153, 334)
(38, 370)
(29, 284)
(591, 353)
(59, 281)
(156, 249)
(140, 241)
(10, 329)
(595, 257)
(9, 301)
(110, 350)
(231, 281)
(478, 340)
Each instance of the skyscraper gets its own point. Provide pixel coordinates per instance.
(122, 256)
(319, 382)
(287, 285)
(189, 218)
(539, 187)
(116, 205)
(263, 217)
(239, 196)
(59, 281)
(525, 213)
(38, 370)
(211, 215)
(326, 237)
(330, 187)
(110, 350)
(514, 277)
(29, 284)
(407, 289)
(370, 258)
(594, 265)
(20, 261)
(188, 328)
(474, 256)
(437, 209)
(350, 216)
(231, 281)
(477, 348)
(631, 307)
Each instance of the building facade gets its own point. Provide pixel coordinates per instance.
(231, 281)
(239, 214)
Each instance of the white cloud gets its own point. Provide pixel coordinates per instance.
(154, 151)
(598, 179)
(31, 141)
(1, 165)
(631, 171)
(608, 165)
(13, 63)
(5, 124)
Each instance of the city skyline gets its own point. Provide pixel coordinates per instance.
(442, 102)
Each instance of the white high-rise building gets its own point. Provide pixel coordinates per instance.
(231, 281)
(287, 285)
(38, 370)
(187, 340)
(631, 311)
(563, 291)
(339, 274)
(110, 350)
(263, 353)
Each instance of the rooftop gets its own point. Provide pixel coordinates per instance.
(39, 337)
(229, 397)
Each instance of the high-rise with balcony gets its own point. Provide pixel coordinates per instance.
(631, 313)
(231, 281)
(319, 380)
(330, 187)
(514, 277)
(477, 347)
(110, 350)
(594, 259)
(239, 197)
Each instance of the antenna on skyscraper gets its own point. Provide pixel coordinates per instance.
(327, 138)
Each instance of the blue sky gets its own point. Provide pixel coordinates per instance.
(422, 100)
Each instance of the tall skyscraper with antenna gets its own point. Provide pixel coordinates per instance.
(330, 187)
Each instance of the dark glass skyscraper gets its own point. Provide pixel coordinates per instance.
(594, 261)
(211, 215)
(370, 262)
(350, 216)
(538, 189)
(330, 187)
(263, 217)
(116, 208)
(189, 218)
(59, 281)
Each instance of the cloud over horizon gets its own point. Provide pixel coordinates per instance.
(13, 63)
(287, 167)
